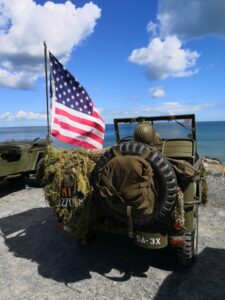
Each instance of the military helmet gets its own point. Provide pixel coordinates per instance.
(144, 133)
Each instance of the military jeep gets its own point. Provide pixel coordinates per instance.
(21, 158)
(178, 182)
(147, 186)
(177, 148)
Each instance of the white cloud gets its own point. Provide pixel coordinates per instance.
(192, 18)
(7, 116)
(165, 58)
(157, 92)
(29, 115)
(17, 79)
(183, 21)
(166, 108)
(24, 25)
(22, 115)
(175, 108)
(152, 28)
(134, 97)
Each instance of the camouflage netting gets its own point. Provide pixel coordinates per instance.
(178, 211)
(77, 165)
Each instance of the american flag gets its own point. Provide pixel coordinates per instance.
(74, 117)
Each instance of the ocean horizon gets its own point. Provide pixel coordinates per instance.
(210, 137)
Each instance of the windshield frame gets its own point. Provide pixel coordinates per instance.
(176, 118)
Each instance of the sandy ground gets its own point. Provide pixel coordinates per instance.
(39, 261)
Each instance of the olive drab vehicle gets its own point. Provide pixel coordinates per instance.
(177, 167)
(147, 186)
(21, 158)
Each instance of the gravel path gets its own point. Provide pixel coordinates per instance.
(39, 261)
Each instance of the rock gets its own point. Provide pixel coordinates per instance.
(214, 166)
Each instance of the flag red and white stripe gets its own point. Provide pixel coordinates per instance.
(74, 117)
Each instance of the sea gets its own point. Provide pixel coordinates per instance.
(210, 137)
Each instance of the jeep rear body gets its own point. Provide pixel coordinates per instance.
(179, 145)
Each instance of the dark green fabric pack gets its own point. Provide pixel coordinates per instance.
(128, 181)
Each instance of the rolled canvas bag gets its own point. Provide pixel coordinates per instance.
(185, 172)
(183, 168)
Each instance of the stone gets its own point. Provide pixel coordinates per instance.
(214, 166)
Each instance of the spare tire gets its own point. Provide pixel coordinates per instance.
(164, 179)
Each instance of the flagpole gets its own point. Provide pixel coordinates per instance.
(46, 86)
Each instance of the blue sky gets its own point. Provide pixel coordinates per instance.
(133, 57)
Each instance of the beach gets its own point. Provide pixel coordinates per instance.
(40, 261)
